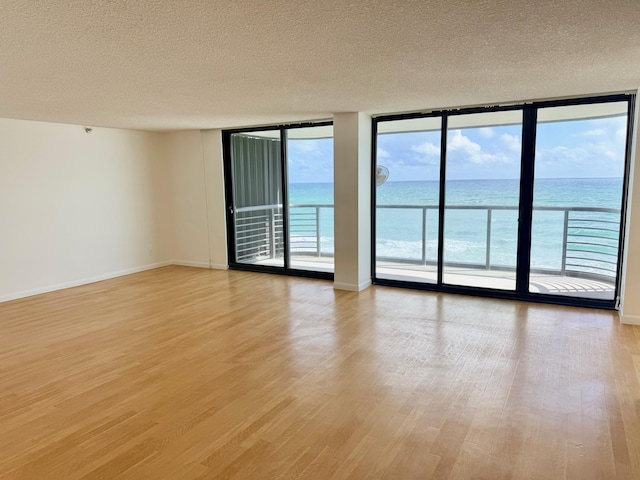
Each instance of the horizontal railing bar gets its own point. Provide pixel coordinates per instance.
(615, 255)
(266, 225)
(257, 243)
(581, 209)
(256, 208)
(480, 207)
(595, 261)
(504, 207)
(255, 246)
(597, 229)
(590, 236)
(253, 218)
(253, 225)
(311, 205)
(601, 271)
(595, 244)
(254, 252)
(593, 220)
(415, 207)
(252, 234)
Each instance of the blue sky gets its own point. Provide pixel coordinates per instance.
(310, 161)
(571, 149)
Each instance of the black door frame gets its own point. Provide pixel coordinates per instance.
(527, 170)
(230, 206)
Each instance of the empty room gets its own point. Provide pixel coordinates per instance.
(319, 240)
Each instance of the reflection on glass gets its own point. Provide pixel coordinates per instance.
(257, 192)
(579, 170)
(310, 190)
(407, 199)
(482, 194)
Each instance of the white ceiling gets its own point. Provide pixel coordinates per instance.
(183, 64)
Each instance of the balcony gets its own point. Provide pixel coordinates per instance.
(585, 242)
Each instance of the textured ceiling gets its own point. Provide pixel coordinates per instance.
(181, 64)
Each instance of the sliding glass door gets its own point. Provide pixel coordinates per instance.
(519, 202)
(256, 212)
(577, 200)
(279, 189)
(482, 195)
(310, 197)
(407, 199)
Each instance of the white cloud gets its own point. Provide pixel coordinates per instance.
(592, 159)
(622, 132)
(426, 153)
(472, 151)
(382, 153)
(486, 132)
(426, 148)
(511, 142)
(596, 132)
(310, 160)
(304, 147)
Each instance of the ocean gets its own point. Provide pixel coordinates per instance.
(399, 230)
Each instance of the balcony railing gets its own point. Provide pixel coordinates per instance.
(589, 236)
(259, 233)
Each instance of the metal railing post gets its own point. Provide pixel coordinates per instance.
(318, 237)
(273, 233)
(565, 234)
(424, 235)
(487, 264)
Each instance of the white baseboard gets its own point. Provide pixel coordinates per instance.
(82, 281)
(215, 266)
(352, 287)
(630, 319)
(186, 263)
(219, 266)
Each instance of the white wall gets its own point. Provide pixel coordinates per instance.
(352, 200)
(197, 198)
(77, 207)
(188, 199)
(216, 204)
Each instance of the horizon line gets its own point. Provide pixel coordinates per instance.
(480, 179)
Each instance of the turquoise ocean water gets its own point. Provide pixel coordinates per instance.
(399, 230)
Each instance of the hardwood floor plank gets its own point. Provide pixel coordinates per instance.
(188, 373)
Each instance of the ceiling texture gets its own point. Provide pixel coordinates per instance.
(193, 64)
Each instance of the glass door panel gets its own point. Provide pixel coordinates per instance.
(407, 199)
(482, 196)
(310, 197)
(577, 197)
(256, 164)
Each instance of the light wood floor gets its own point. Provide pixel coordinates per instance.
(183, 373)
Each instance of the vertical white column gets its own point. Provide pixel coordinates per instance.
(214, 193)
(352, 200)
(630, 292)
